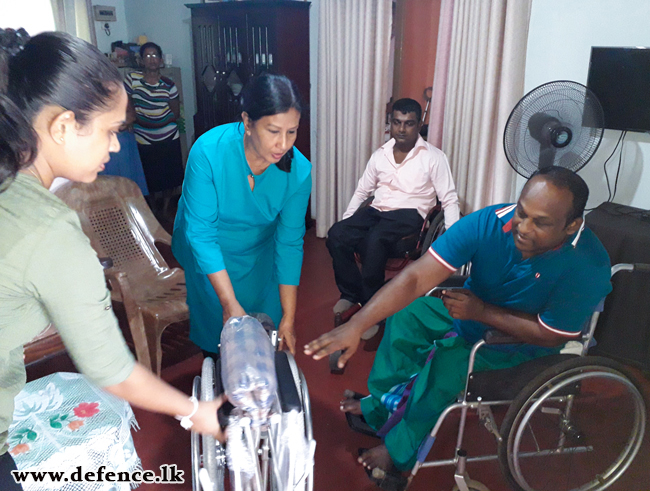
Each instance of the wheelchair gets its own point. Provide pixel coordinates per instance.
(407, 249)
(267, 449)
(573, 421)
(410, 248)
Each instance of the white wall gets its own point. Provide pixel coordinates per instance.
(559, 45)
(119, 29)
(168, 23)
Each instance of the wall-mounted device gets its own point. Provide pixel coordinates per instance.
(104, 13)
(620, 78)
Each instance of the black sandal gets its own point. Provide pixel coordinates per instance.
(357, 422)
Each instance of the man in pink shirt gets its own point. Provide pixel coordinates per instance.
(407, 176)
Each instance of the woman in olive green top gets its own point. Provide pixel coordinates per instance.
(61, 105)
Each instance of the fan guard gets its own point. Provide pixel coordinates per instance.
(558, 123)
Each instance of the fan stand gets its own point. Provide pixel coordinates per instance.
(551, 134)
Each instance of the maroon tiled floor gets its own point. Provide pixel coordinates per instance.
(162, 441)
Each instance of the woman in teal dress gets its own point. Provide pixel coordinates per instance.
(241, 218)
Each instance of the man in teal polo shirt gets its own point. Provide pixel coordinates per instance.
(536, 275)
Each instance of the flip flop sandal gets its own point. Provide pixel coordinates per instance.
(357, 422)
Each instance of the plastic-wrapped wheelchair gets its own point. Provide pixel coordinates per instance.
(270, 442)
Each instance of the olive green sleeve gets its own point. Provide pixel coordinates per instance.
(67, 279)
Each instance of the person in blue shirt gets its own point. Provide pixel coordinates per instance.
(126, 162)
(536, 275)
(241, 218)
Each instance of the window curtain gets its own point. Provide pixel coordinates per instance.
(75, 17)
(353, 59)
(441, 70)
(482, 67)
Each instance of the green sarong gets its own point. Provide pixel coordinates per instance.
(409, 337)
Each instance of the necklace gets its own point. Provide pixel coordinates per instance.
(35, 173)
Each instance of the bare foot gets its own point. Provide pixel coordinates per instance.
(377, 457)
(349, 404)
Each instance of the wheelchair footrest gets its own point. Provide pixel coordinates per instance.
(505, 384)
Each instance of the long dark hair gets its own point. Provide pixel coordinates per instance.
(53, 68)
(270, 94)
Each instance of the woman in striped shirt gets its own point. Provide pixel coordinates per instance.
(157, 107)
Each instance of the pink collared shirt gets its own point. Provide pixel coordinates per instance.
(423, 176)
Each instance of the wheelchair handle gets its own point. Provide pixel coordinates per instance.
(640, 267)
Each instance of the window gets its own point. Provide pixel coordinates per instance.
(34, 15)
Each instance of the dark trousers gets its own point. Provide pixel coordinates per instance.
(7, 465)
(373, 234)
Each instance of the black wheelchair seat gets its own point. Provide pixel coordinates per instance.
(506, 383)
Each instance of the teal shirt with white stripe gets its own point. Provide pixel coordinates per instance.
(562, 287)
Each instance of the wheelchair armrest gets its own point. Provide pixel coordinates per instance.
(451, 282)
(367, 202)
(494, 336)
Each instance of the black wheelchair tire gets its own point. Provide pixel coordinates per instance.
(436, 229)
(215, 470)
(195, 438)
(552, 375)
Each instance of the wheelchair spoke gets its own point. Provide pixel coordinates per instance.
(532, 433)
(578, 432)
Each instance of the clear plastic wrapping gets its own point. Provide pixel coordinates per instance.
(248, 368)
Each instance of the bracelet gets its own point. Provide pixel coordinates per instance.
(186, 421)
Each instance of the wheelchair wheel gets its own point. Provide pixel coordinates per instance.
(303, 394)
(436, 229)
(212, 451)
(207, 384)
(194, 441)
(577, 426)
